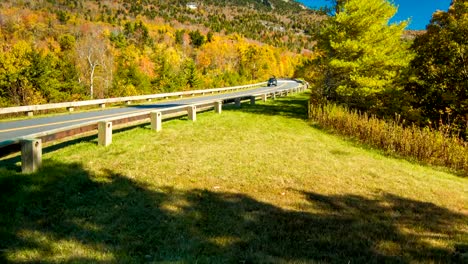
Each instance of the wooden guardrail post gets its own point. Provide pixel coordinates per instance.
(156, 121)
(264, 97)
(237, 102)
(218, 107)
(192, 113)
(273, 95)
(31, 155)
(104, 133)
(30, 113)
(252, 100)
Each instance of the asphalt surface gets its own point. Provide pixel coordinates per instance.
(24, 128)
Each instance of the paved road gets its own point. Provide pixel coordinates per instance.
(23, 128)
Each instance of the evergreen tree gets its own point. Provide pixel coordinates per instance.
(197, 38)
(192, 76)
(362, 56)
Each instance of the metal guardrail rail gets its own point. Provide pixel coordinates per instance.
(31, 145)
(30, 109)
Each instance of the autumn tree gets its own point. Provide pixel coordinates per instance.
(31, 76)
(169, 74)
(15, 85)
(441, 67)
(137, 33)
(94, 60)
(361, 54)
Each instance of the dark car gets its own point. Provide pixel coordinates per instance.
(272, 81)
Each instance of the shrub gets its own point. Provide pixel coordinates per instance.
(433, 146)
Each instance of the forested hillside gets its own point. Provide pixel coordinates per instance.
(276, 22)
(62, 50)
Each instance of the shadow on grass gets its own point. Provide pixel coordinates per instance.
(115, 216)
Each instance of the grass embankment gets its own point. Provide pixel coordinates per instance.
(252, 185)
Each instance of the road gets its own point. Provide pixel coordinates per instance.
(24, 128)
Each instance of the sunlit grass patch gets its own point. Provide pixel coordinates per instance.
(46, 248)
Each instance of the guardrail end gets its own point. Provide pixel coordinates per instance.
(31, 155)
(218, 107)
(156, 121)
(104, 133)
(192, 112)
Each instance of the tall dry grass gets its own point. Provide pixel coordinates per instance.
(433, 146)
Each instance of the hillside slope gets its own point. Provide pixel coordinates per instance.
(252, 185)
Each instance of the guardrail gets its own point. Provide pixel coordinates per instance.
(70, 106)
(31, 146)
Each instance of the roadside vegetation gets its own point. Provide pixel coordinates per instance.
(364, 64)
(256, 184)
(433, 146)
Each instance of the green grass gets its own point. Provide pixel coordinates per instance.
(252, 185)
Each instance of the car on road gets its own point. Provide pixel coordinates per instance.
(272, 81)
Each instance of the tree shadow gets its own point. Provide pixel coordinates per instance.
(129, 221)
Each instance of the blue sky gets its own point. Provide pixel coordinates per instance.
(420, 11)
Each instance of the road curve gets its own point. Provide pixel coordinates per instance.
(23, 128)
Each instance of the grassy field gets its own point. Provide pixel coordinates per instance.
(257, 184)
